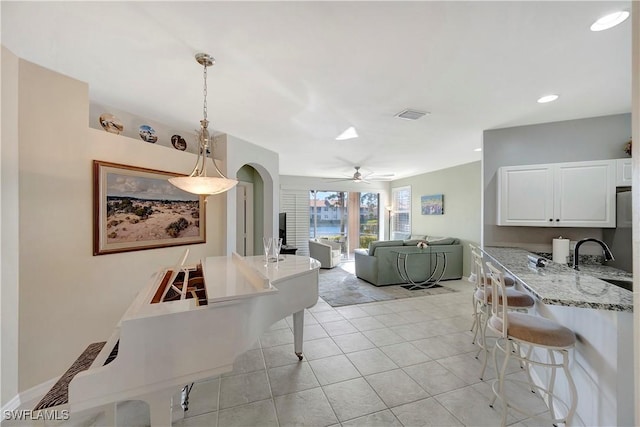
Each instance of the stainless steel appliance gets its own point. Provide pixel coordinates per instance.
(619, 239)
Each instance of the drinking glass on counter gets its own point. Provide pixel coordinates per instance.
(268, 243)
(277, 245)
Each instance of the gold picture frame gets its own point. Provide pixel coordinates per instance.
(136, 208)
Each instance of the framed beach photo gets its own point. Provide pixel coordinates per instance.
(136, 208)
(432, 205)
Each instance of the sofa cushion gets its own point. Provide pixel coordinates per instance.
(418, 237)
(382, 243)
(413, 242)
(432, 240)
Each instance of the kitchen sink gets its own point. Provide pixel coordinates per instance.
(626, 284)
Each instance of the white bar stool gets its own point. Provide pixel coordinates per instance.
(472, 274)
(480, 281)
(482, 300)
(517, 329)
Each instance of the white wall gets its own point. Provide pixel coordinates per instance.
(68, 297)
(461, 188)
(635, 96)
(9, 223)
(239, 153)
(290, 182)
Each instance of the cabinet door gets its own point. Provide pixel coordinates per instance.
(525, 195)
(623, 173)
(584, 194)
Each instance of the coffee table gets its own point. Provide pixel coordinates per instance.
(434, 275)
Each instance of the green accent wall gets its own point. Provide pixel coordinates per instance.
(461, 188)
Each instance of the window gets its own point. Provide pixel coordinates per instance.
(351, 218)
(369, 218)
(330, 223)
(400, 213)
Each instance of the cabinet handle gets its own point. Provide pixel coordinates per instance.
(557, 219)
(550, 219)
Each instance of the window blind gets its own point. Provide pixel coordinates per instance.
(401, 213)
(296, 204)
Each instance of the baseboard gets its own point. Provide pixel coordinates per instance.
(29, 395)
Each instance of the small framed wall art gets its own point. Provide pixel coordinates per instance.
(432, 204)
(136, 208)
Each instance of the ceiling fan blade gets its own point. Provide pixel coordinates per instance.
(379, 175)
(338, 180)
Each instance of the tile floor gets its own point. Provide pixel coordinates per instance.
(407, 362)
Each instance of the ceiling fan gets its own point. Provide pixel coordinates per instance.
(359, 177)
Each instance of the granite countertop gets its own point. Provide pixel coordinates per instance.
(558, 284)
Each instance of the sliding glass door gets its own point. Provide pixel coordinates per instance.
(349, 218)
(328, 215)
(369, 219)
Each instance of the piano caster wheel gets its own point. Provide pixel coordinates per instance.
(299, 355)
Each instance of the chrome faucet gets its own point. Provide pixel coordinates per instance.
(608, 256)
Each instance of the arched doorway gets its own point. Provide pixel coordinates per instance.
(249, 211)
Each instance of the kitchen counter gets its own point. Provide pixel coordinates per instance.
(601, 316)
(558, 284)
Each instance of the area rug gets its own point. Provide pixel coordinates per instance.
(339, 287)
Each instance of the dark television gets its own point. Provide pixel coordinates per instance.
(282, 226)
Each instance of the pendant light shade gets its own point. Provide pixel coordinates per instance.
(198, 182)
(205, 185)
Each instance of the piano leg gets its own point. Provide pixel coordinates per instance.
(298, 328)
(110, 416)
(159, 407)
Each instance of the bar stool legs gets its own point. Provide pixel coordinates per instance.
(546, 392)
(517, 331)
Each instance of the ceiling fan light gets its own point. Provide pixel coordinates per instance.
(610, 20)
(349, 133)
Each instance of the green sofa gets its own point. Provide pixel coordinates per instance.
(378, 264)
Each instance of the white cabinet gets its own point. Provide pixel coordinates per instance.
(623, 173)
(576, 194)
(525, 195)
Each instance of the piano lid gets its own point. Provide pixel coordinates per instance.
(236, 277)
(231, 278)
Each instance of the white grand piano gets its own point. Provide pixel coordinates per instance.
(189, 323)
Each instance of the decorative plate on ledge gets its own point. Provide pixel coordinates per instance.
(148, 134)
(111, 123)
(178, 142)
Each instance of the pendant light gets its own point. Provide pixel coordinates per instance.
(198, 182)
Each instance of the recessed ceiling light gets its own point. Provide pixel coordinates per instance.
(610, 20)
(547, 98)
(350, 133)
(477, 149)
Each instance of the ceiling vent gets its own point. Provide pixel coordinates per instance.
(409, 114)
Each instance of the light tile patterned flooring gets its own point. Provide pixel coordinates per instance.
(407, 362)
